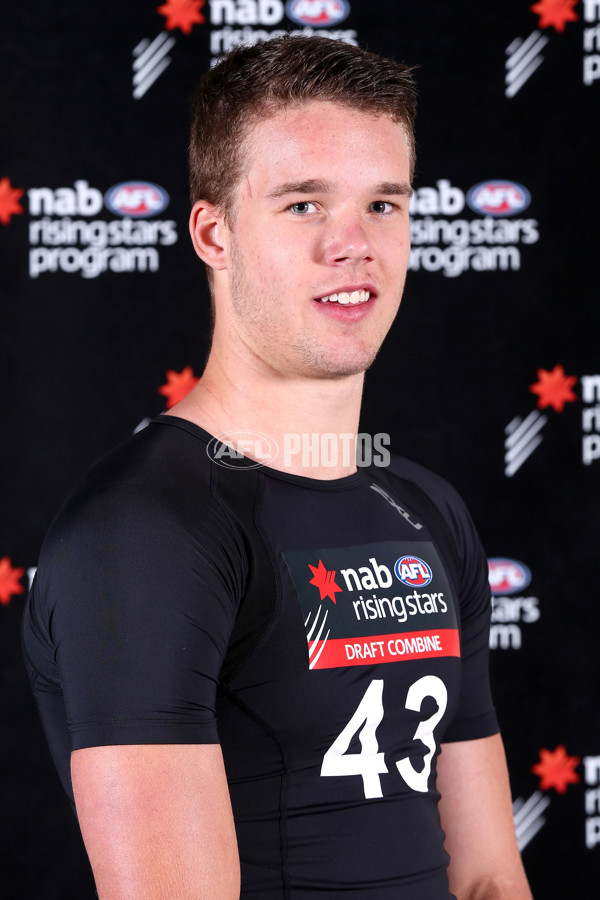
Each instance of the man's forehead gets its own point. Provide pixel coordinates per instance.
(316, 125)
(276, 120)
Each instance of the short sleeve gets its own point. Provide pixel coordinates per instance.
(137, 587)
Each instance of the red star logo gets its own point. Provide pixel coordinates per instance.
(555, 12)
(9, 581)
(182, 14)
(9, 201)
(178, 385)
(554, 388)
(556, 769)
(325, 581)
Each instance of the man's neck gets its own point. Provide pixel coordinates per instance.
(312, 421)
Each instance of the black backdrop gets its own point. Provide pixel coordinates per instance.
(104, 304)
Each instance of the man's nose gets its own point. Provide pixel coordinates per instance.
(347, 240)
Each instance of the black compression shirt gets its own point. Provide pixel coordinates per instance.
(329, 634)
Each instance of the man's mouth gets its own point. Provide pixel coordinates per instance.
(345, 297)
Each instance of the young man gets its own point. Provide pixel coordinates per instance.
(253, 669)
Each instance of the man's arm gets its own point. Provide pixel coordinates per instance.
(156, 821)
(476, 814)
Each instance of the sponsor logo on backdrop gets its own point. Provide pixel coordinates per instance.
(69, 233)
(233, 23)
(524, 55)
(366, 604)
(318, 13)
(177, 386)
(554, 389)
(511, 609)
(498, 198)
(556, 770)
(592, 801)
(136, 199)
(10, 581)
(590, 444)
(183, 14)
(249, 21)
(508, 576)
(446, 239)
(10, 198)
(591, 42)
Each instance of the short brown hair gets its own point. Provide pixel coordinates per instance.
(255, 82)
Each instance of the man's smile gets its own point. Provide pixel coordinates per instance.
(345, 297)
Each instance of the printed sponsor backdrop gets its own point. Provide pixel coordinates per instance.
(491, 375)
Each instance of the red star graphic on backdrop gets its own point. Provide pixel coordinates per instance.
(325, 581)
(555, 12)
(556, 769)
(554, 388)
(182, 14)
(9, 581)
(9, 201)
(178, 385)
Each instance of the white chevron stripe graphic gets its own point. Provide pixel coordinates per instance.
(523, 59)
(316, 659)
(317, 638)
(315, 642)
(522, 440)
(150, 62)
(528, 818)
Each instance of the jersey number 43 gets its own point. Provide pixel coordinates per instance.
(370, 762)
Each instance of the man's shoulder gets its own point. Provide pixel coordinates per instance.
(159, 477)
(440, 494)
(153, 462)
(440, 491)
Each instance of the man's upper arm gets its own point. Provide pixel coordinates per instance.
(476, 814)
(157, 822)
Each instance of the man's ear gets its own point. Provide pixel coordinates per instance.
(208, 229)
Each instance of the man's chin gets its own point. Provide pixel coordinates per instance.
(325, 366)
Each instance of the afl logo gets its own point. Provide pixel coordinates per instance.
(412, 571)
(242, 449)
(508, 576)
(498, 198)
(136, 199)
(318, 13)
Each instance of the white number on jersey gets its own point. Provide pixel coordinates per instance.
(370, 763)
(428, 686)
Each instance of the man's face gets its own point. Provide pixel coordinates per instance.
(322, 213)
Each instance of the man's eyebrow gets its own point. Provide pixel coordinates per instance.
(317, 186)
(311, 186)
(394, 187)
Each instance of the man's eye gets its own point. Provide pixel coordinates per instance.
(303, 208)
(381, 206)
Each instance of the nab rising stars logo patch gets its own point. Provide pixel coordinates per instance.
(355, 613)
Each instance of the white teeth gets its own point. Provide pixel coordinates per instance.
(344, 297)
